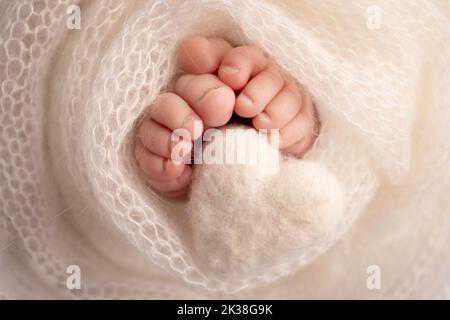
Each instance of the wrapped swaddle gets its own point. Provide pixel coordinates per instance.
(372, 190)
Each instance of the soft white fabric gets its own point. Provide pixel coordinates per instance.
(71, 192)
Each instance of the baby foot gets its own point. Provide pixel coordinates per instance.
(197, 97)
(272, 99)
(205, 94)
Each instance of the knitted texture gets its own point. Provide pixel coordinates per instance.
(372, 189)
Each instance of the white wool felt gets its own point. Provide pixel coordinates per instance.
(249, 215)
(71, 193)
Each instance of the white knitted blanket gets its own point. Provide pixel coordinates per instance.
(370, 195)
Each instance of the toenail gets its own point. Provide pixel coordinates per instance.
(229, 69)
(264, 118)
(245, 101)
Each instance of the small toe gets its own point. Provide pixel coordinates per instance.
(155, 166)
(240, 64)
(259, 92)
(176, 187)
(171, 111)
(300, 131)
(281, 109)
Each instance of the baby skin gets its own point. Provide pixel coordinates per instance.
(220, 80)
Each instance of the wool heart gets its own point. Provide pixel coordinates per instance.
(245, 221)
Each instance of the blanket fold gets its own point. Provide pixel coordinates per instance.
(372, 190)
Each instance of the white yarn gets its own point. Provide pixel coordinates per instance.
(71, 192)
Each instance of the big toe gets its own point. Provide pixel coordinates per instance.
(209, 97)
(199, 55)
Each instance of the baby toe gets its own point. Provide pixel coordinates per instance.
(282, 109)
(176, 187)
(173, 112)
(164, 142)
(240, 64)
(209, 97)
(299, 134)
(155, 166)
(299, 148)
(259, 92)
(199, 55)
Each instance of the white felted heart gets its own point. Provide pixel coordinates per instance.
(246, 219)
